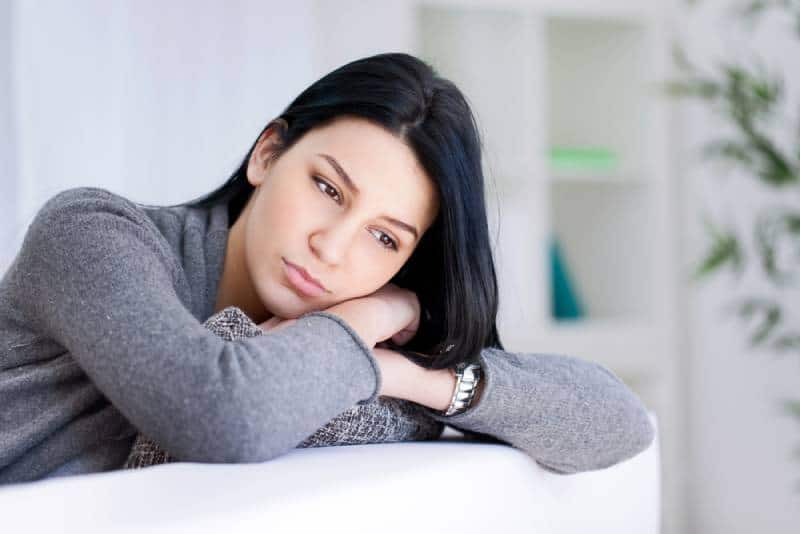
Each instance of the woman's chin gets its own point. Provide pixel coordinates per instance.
(289, 311)
(289, 304)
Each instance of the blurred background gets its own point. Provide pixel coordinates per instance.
(629, 146)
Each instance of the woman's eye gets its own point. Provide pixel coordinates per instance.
(324, 186)
(389, 243)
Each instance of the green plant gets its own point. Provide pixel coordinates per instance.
(751, 101)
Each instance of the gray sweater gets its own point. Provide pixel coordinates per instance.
(384, 420)
(102, 337)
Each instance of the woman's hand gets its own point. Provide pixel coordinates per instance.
(391, 312)
(402, 310)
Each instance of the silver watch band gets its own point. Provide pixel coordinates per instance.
(467, 378)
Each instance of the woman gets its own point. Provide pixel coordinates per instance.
(369, 182)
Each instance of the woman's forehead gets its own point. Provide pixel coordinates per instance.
(372, 162)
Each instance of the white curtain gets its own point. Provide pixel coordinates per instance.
(156, 101)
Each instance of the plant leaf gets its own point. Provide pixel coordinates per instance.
(769, 311)
(724, 249)
(731, 150)
(773, 227)
(792, 406)
(787, 342)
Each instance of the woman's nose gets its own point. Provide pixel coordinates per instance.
(331, 244)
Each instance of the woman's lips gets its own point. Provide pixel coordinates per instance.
(300, 282)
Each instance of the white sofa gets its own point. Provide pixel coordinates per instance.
(449, 485)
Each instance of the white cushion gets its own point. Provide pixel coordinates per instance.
(439, 486)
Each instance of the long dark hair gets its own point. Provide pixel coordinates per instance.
(451, 270)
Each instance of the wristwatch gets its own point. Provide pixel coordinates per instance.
(467, 378)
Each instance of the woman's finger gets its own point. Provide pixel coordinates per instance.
(403, 336)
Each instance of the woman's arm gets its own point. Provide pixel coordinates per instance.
(568, 414)
(96, 276)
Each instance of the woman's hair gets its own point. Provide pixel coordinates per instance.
(451, 270)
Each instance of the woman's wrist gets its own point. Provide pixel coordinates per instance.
(360, 319)
(403, 379)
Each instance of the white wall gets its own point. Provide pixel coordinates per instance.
(8, 182)
(742, 476)
(157, 101)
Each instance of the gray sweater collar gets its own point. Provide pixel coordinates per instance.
(198, 237)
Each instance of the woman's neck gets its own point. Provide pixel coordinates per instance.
(235, 286)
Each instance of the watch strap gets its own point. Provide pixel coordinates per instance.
(468, 377)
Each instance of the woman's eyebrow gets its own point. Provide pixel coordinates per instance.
(340, 171)
(354, 188)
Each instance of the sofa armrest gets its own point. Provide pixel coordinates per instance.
(449, 485)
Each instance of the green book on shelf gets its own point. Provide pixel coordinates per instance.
(587, 159)
(565, 303)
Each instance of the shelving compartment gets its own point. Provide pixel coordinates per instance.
(595, 79)
(599, 191)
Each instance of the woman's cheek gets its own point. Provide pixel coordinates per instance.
(283, 215)
(367, 281)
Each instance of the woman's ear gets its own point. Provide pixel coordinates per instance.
(270, 140)
(275, 133)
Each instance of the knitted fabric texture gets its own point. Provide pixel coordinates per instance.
(382, 421)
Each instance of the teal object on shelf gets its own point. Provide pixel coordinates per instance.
(565, 303)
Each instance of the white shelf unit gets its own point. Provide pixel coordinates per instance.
(575, 76)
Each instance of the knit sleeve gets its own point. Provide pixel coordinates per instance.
(568, 414)
(97, 278)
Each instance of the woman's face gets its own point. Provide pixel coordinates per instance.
(304, 211)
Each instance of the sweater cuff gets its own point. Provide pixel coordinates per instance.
(361, 345)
